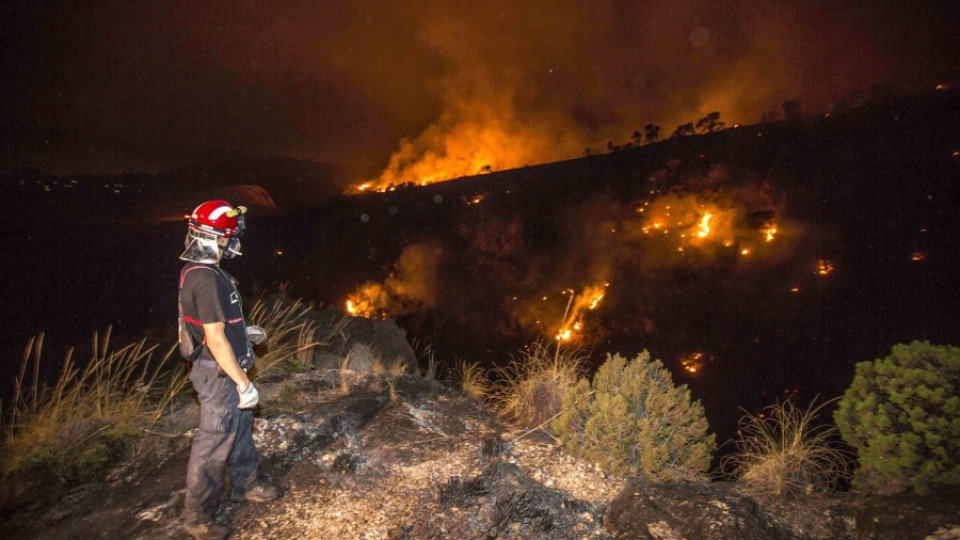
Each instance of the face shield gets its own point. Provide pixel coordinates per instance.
(209, 235)
(200, 247)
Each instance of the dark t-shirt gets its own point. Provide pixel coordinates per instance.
(209, 295)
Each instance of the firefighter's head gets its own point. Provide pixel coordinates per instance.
(214, 232)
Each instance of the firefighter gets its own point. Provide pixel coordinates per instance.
(214, 336)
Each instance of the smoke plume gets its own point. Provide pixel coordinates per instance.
(399, 91)
(412, 286)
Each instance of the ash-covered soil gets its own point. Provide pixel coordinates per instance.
(411, 458)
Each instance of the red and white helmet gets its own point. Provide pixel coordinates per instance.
(218, 217)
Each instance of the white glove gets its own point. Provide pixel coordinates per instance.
(256, 334)
(249, 397)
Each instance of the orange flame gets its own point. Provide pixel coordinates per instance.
(588, 300)
(690, 219)
(769, 231)
(368, 300)
(704, 225)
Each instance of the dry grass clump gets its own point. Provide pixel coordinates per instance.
(390, 371)
(530, 391)
(473, 380)
(426, 359)
(292, 334)
(389, 368)
(75, 426)
(784, 453)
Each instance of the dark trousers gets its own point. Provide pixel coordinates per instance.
(225, 437)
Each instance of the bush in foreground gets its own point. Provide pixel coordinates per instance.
(783, 452)
(530, 391)
(902, 414)
(631, 419)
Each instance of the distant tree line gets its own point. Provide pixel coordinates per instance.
(790, 111)
(651, 133)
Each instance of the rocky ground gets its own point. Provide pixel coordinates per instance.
(372, 457)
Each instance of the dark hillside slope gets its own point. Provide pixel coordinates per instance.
(868, 198)
(869, 194)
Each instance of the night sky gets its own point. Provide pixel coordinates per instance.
(130, 86)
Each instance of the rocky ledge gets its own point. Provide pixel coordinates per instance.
(378, 457)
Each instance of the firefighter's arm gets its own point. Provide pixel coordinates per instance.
(223, 353)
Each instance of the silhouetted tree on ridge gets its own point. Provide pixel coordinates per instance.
(710, 123)
(683, 130)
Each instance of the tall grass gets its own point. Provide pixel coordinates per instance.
(784, 452)
(529, 391)
(71, 425)
(427, 366)
(390, 371)
(473, 380)
(77, 424)
(293, 334)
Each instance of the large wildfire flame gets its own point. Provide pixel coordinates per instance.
(472, 137)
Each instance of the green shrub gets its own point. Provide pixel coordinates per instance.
(81, 462)
(902, 414)
(632, 419)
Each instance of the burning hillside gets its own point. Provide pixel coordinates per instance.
(744, 257)
(510, 85)
(713, 220)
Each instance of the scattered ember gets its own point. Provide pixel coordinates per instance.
(693, 362)
(824, 267)
(918, 256)
(476, 199)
